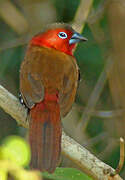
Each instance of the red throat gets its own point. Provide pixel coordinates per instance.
(51, 39)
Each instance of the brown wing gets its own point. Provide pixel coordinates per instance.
(70, 83)
(31, 86)
(46, 69)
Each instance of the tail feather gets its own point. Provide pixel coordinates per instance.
(45, 136)
(33, 142)
(56, 141)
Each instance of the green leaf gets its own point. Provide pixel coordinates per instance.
(16, 149)
(66, 174)
(3, 174)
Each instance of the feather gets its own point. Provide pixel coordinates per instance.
(45, 136)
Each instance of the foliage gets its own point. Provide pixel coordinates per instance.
(66, 174)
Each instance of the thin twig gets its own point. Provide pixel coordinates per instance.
(92, 141)
(97, 14)
(122, 157)
(82, 14)
(111, 144)
(107, 114)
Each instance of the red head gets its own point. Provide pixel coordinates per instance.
(58, 36)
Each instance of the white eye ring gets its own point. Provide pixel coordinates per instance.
(62, 35)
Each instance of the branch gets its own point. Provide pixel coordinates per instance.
(70, 148)
(82, 14)
(122, 157)
(11, 105)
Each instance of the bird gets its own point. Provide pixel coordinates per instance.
(48, 83)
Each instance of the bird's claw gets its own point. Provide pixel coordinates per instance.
(21, 100)
(23, 103)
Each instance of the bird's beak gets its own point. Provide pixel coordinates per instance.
(76, 37)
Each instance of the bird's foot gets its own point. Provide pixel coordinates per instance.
(23, 103)
(21, 100)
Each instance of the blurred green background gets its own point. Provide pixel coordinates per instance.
(97, 119)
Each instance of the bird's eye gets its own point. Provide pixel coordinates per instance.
(62, 35)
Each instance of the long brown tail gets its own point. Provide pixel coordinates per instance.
(45, 136)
